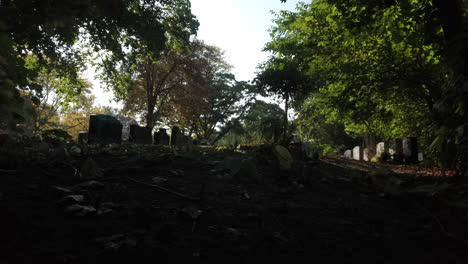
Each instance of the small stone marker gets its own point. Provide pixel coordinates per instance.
(285, 159)
(188, 142)
(104, 129)
(348, 154)
(410, 149)
(380, 148)
(176, 136)
(398, 146)
(420, 156)
(161, 137)
(365, 154)
(82, 137)
(140, 135)
(357, 153)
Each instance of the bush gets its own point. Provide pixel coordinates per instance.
(384, 157)
(56, 136)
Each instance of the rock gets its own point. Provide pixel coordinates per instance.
(72, 199)
(159, 180)
(89, 185)
(140, 135)
(161, 137)
(43, 147)
(104, 129)
(80, 210)
(90, 169)
(60, 153)
(75, 151)
(285, 160)
(177, 173)
(60, 191)
(233, 233)
(176, 136)
(193, 211)
(82, 137)
(116, 242)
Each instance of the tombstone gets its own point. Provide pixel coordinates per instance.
(380, 148)
(140, 135)
(176, 136)
(186, 142)
(82, 137)
(104, 129)
(357, 153)
(420, 156)
(127, 122)
(348, 154)
(410, 150)
(398, 146)
(161, 137)
(365, 154)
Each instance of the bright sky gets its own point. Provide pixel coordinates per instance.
(239, 27)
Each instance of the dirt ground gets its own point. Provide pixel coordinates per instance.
(107, 206)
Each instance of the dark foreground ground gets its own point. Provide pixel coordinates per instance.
(328, 211)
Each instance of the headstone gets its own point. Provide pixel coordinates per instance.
(140, 135)
(82, 137)
(410, 150)
(420, 156)
(398, 146)
(284, 157)
(357, 153)
(104, 129)
(186, 142)
(161, 137)
(348, 154)
(365, 154)
(126, 122)
(380, 148)
(176, 137)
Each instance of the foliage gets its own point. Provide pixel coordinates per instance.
(263, 123)
(58, 38)
(378, 68)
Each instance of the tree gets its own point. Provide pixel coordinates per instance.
(264, 123)
(110, 28)
(227, 101)
(365, 64)
(171, 86)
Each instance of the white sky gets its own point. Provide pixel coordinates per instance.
(239, 27)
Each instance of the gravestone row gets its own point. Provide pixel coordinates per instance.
(400, 150)
(105, 129)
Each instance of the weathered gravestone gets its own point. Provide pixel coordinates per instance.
(410, 150)
(161, 137)
(420, 156)
(348, 154)
(176, 137)
(82, 137)
(140, 135)
(284, 157)
(187, 142)
(357, 153)
(380, 148)
(365, 154)
(104, 129)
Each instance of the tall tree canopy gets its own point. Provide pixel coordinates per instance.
(379, 67)
(57, 31)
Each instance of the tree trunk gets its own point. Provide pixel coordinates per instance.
(450, 13)
(285, 122)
